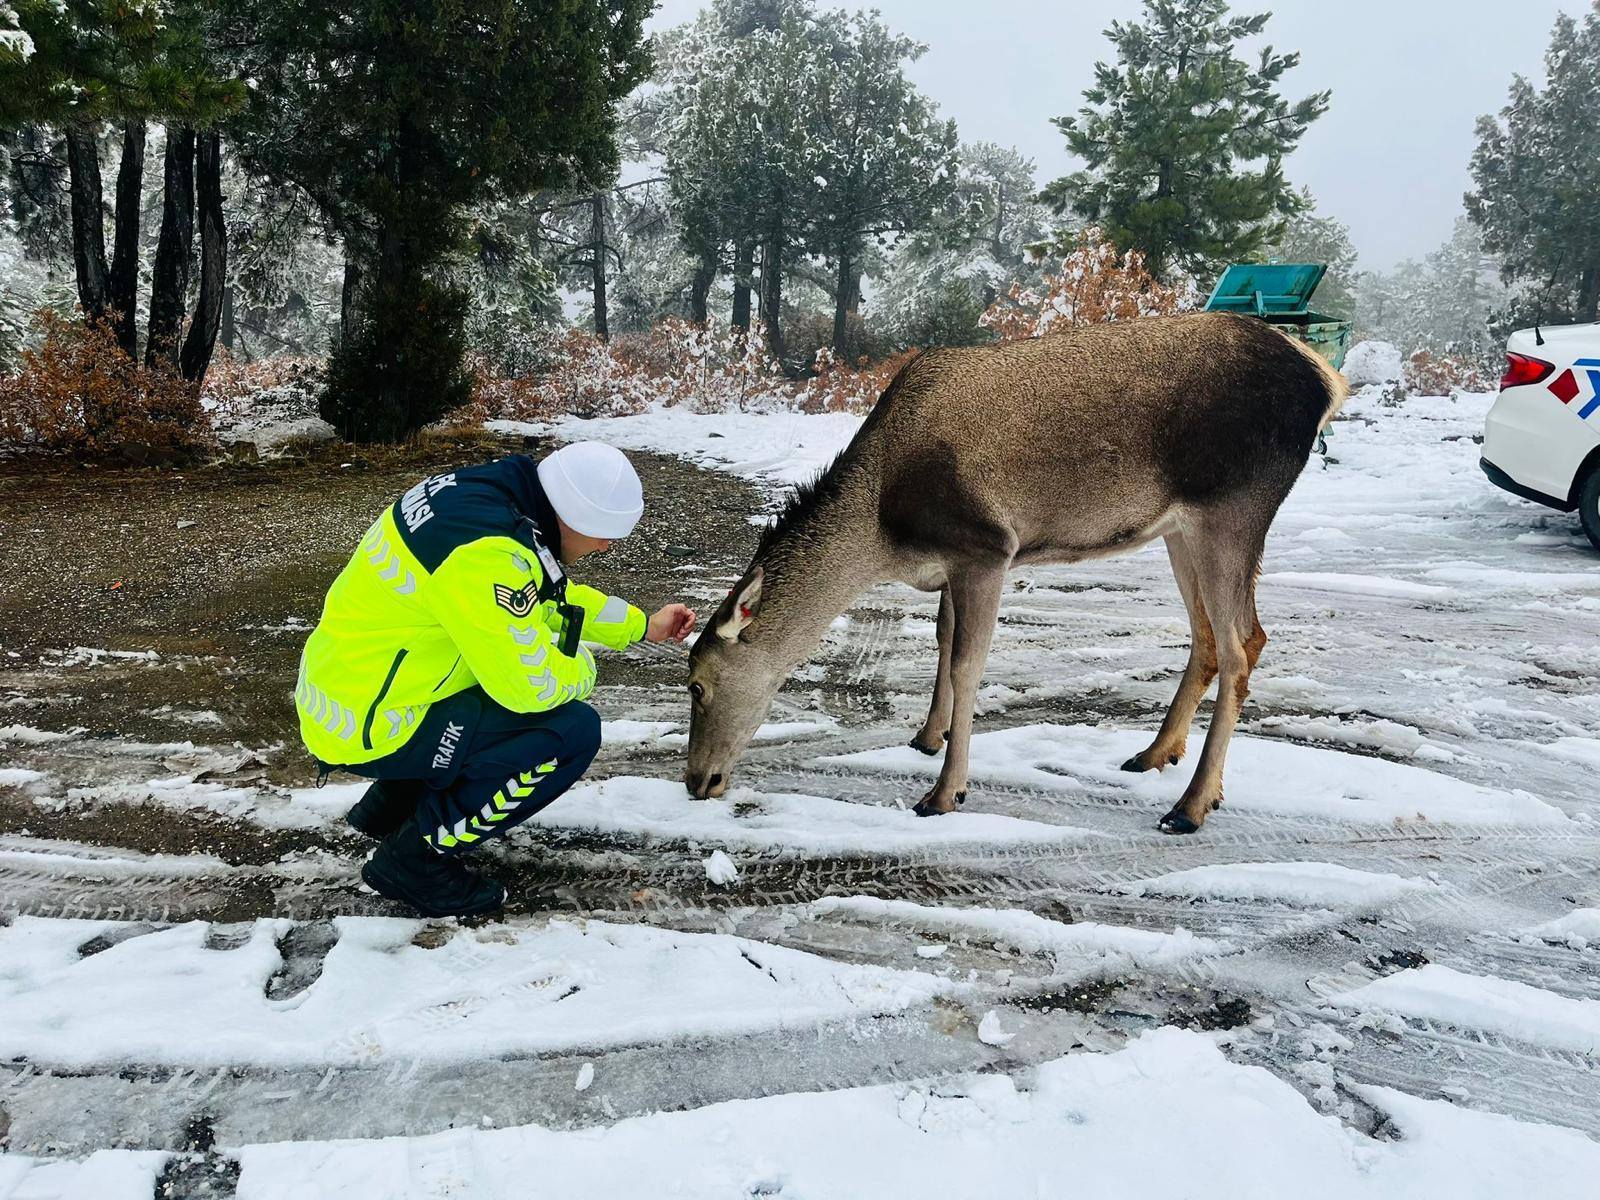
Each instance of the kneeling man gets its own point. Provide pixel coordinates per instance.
(449, 663)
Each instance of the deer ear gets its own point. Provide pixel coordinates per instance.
(743, 604)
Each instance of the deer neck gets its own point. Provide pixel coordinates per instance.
(816, 569)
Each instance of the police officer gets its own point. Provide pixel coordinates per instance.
(450, 667)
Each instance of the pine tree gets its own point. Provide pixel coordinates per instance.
(396, 117)
(93, 64)
(940, 280)
(888, 161)
(1536, 179)
(1184, 140)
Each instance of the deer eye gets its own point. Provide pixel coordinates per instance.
(698, 692)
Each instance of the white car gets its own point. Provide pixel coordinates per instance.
(1542, 438)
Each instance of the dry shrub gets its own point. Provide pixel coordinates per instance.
(677, 362)
(231, 382)
(77, 393)
(1096, 284)
(840, 387)
(1429, 374)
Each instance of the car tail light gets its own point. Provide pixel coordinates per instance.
(1522, 370)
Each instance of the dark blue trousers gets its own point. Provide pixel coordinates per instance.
(480, 769)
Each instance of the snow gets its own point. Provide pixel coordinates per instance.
(17, 776)
(1356, 585)
(1372, 362)
(720, 869)
(1305, 884)
(1080, 946)
(776, 447)
(585, 1078)
(103, 1175)
(164, 997)
(1579, 929)
(1263, 776)
(991, 1032)
(812, 825)
(1476, 1002)
(1088, 1124)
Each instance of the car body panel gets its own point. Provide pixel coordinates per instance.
(1540, 435)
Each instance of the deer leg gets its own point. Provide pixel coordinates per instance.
(975, 599)
(1227, 554)
(1173, 739)
(930, 739)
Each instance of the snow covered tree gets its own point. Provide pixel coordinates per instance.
(396, 117)
(1310, 238)
(888, 162)
(939, 281)
(740, 94)
(94, 63)
(1444, 305)
(791, 133)
(1536, 181)
(1184, 139)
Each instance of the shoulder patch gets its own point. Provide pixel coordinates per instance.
(516, 601)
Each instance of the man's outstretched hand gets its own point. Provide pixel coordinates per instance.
(671, 622)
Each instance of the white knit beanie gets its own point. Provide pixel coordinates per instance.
(593, 488)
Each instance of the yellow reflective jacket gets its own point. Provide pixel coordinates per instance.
(458, 583)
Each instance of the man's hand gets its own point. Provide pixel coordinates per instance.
(671, 622)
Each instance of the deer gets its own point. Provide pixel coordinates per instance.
(1056, 449)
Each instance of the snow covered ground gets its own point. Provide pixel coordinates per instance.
(1376, 972)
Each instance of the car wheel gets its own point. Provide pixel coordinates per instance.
(1589, 506)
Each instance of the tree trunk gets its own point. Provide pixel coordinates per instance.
(352, 309)
(997, 246)
(170, 276)
(88, 222)
(842, 293)
(228, 331)
(772, 291)
(123, 290)
(700, 290)
(1588, 296)
(202, 337)
(597, 248)
(743, 268)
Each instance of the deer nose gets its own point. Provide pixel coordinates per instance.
(700, 787)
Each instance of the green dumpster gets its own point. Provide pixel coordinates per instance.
(1280, 294)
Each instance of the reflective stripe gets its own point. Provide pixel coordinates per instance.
(534, 660)
(525, 637)
(614, 611)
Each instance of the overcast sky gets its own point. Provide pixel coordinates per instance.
(1409, 79)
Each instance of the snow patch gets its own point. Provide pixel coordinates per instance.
(1074, 947)
(811, 825)
(1483, 1002)
(1263, 776)
(165, 998)
(1305, 884)
(1085, 1125)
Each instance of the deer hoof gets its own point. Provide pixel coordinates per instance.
(933, 806)
(930, 751)
(1135, 765)
(1177, 822)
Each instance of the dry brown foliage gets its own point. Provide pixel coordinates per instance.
(77, 393)
(1428, 374)
(703, 369)
(1095, 284)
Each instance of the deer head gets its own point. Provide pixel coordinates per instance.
(733, 677)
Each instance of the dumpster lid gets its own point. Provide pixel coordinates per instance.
(1263, 288)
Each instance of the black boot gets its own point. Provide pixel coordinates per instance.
(406, 868)
(384, 806)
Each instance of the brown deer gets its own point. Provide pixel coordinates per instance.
(1052, 450)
